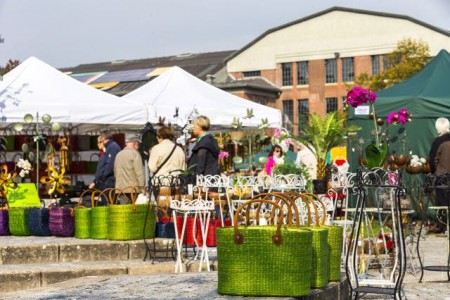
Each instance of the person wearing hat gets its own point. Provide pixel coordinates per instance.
(129, 169)
(104, 174)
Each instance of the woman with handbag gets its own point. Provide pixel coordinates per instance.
(166, 158)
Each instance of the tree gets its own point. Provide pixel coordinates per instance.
(11, 64)
(407, 59)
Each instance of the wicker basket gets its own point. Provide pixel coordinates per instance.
(82, 222)
(321, 250)
(38, 221)
(4, 226)
(127, 221)
(99, 216)
(264, 260)
(62, 222)
(335, 242)
(17, 220)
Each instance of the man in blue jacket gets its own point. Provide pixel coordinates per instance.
(104, 175)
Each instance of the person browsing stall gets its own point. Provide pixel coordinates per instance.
(166, 158)
(205, 153)
(129, 169)
(104, 175)
(274, 158)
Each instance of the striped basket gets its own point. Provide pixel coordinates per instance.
(62, 222)
(127, 221)
(264, 260)
(17, 220)
(38, 219)
(4, 226)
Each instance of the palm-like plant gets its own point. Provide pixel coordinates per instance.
(321, 135)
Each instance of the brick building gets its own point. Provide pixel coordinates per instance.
(310, 60)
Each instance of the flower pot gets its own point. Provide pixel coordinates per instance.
(320, 186)
(401, 160)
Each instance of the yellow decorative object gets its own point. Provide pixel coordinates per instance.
(55, 181)
(6, 180)
(63, 151)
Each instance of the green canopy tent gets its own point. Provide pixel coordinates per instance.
(426, 96)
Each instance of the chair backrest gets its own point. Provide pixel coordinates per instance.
(280, 182)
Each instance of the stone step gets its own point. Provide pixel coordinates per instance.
(30, 261)
(30, 249)
(27, 276)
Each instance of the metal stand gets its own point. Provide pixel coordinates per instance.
(436, 183)
(358, 266)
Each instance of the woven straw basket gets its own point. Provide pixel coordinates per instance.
(99, 216)
(4, 226)
(127, 221)
(264, 260)
(61, 222)
(17, 220)
(38, 221)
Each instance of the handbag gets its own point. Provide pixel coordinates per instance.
(252, 257)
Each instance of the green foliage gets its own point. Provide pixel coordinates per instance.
(290, 167)
(407, 59)
(11, 64)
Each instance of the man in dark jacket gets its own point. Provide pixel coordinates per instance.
(104, 175)
(439, 158)
(205, 154)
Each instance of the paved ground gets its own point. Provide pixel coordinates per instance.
(204, 285)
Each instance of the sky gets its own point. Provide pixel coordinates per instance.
(66, 33)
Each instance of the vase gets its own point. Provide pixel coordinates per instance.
(320, 186)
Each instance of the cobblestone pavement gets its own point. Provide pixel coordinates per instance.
(204, 285)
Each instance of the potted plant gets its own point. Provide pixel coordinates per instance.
(320, 135)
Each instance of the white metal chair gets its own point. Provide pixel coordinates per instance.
(217, 188)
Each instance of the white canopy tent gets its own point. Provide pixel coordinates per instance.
(177, 88)
(36, 88)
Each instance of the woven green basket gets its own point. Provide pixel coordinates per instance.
(335, 240)
(126, 221)
(82, 222)
(99, 222)
(320, 257)
(257, 267)
(18, 221)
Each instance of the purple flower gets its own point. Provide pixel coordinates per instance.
(372, 96)
(358, 96)
(392, 117)
(223, 154)
(403, 115)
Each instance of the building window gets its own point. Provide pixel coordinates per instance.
(386, 62)
(252, 74)
(288, 114)
(303, 110)
(286, 73)
(302, 72)
(261, 100)
(332, 104)
(330, 71)
(348, 73)
(375, 64)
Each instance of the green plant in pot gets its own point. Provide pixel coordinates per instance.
(320, 135)
(290, 167)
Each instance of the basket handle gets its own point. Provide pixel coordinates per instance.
(313, 198)
(277, 239)
(294, 196)
(282, 199)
